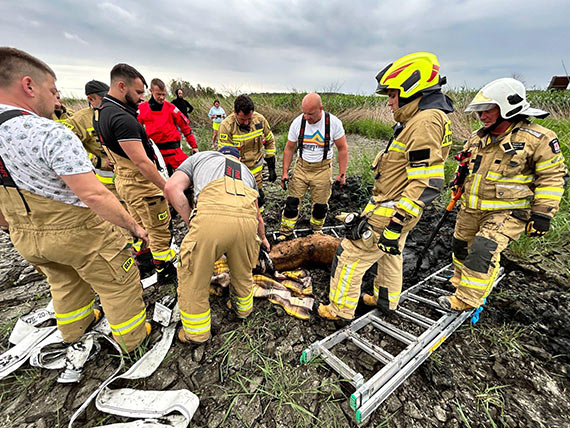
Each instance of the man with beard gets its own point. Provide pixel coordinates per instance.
(249, 131)
(138, 180)
(163, 122)
(184, 106)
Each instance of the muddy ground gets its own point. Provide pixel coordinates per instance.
(510, 369)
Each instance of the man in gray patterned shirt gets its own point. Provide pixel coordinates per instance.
(58, 214)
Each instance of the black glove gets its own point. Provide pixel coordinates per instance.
(271, 167)
(537, 225)
(390, 238)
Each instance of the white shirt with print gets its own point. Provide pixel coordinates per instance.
(314, 141)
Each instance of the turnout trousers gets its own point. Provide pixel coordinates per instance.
(221, 224)
(313, 176)
(478, 240)
(81, 254)
(354, 258)
(147, 205)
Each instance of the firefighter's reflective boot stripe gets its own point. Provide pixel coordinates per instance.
(147, 206)
(354, 258)
(79, 253)
(224, 224)
(479, 239)
(317, 178)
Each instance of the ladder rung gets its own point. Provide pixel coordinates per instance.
(440, 278)
(393, 331)
(334, 233)
(415, 317)
(437, 290)
(428, 302)
(371, 349)
(341, 367)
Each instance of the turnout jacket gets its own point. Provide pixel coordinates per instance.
(520, 169)
(409, 173)
(81, 123)
(251, 143)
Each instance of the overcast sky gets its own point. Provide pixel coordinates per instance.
(284, 45)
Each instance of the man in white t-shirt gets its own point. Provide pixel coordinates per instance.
(312, 133)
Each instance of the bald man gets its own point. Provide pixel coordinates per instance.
(311, 132)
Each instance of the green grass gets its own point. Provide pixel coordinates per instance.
(369, 128)
(488, 396)
(507, 338)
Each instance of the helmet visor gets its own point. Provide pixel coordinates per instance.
(480, 107)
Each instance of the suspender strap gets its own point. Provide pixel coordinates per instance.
(301, 138)
(232, 178)
(6, 179)
(327, 135)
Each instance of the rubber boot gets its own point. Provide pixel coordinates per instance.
(166, 272)
(452, 303)
(145, 263)
(181, 334)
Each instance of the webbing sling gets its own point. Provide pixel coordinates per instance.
(327, 138)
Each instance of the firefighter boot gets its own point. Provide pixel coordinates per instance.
(166, 272)
(145, 263)
(369, 300)
(453, 303)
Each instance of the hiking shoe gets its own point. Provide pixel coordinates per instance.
(166, 273)
(452, 303)
(369, 300)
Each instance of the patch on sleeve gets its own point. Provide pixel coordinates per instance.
(259, 126)
(223, 137)
(419, 155)
(555, 146)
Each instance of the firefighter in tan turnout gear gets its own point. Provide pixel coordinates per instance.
(137, 180)
(81, 123)
(56, 209)
(226, 220)
(408, 176)
(312, 133)
(249, 131)
(516, 180)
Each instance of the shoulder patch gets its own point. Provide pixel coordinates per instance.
(532, 132)
(555, 146)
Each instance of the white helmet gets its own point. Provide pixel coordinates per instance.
(509, 95)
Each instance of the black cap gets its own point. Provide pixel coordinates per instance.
(96, 87)
(230, 150)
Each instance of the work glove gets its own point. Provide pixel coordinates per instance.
(284, 183)
(271, 167)
(390, 238)
(537, 225)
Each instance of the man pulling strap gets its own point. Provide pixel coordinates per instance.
(226, 220)
(138, 180)
(56, 209)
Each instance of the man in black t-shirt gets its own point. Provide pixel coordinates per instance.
(138, 180)
(184, 106)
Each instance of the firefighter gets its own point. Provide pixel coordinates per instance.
(60, 112)
(249, 131)
(81, 123)
(408, 177)
(55, 209)
(137, 180)
(515, 183)
(162, 121)
(311, 132)
(226, 221)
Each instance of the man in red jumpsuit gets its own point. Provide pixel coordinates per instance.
(163, 123)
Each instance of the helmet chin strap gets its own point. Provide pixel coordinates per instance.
(496, 124)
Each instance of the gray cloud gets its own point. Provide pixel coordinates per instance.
(283, 45)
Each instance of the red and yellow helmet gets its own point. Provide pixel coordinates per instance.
(410, 74)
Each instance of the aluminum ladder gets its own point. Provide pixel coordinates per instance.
(371, 393)
(298, 233)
